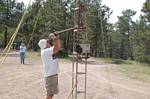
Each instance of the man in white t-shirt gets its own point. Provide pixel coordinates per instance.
(50, 64)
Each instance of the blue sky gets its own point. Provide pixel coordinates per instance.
(117, 6)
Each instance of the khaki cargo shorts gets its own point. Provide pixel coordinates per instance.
(51, 85)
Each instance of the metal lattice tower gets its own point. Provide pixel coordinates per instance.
(79, 9)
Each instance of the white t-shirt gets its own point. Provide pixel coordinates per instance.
(50, 64)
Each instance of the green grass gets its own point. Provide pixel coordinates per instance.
(115, 61)
(128, 68)
(134, 70)
(104, 60)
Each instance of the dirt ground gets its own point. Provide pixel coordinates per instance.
(26, 81)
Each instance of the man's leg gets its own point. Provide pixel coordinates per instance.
(51, 86)
(49, 97)
(21, 58)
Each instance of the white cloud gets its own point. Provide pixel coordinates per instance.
(26, 2)
(118, 5)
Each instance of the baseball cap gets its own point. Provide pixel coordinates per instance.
(42, 43)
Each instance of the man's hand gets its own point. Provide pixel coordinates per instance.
(52, 36)
(57, 43)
